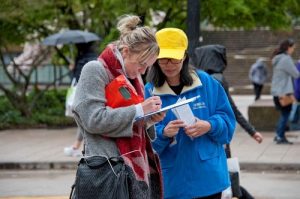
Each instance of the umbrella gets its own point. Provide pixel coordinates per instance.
(70, 37)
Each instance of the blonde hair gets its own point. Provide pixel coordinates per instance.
(139, 39)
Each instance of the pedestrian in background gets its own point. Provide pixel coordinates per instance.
(192, 157)
(297, 83)
(213, 60)
(113, 132)
(258, 75)
(294, 118)
(282, 85)
(85, 52)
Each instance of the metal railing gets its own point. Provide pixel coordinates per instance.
(43, 75)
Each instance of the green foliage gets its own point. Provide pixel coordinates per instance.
(9, 116)
(49, 112)
(51, 102)
(250, 14)
(23, 19)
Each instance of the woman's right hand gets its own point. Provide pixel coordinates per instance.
(173, 127)
(151, 104)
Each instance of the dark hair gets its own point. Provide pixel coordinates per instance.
(158, 78)
(83, 48)
(283, 47)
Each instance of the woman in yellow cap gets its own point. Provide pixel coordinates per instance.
(192, 157)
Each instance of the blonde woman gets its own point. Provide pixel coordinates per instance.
(111, 132)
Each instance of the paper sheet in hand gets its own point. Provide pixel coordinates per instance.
(177, 104)
(184, 113)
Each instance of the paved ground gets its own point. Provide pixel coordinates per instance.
(55, 184)
(42, 150)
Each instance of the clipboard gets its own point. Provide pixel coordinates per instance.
(183, 102)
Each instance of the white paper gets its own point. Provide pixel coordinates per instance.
(177, 104)
(184, 113)
(233, 164)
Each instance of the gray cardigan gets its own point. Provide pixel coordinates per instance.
(283, 71)
(96, 120)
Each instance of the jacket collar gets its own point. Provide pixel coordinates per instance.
(165, 88)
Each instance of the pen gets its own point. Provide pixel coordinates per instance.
(150, 92)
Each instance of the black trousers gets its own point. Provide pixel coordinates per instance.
(257, 90)
(214, 196)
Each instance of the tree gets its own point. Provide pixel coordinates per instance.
(19, 73)
(277, 15)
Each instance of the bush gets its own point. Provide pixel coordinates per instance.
(48, 112)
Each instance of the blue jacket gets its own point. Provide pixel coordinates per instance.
(195, 167)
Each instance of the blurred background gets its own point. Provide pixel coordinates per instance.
(35, 75)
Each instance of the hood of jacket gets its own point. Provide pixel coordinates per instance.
(276, 59)
(210, 58)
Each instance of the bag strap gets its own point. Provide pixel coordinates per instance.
(72, 190)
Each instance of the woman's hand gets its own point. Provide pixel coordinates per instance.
(155, 118)
(172, 128)
(199, 128)
(158, 117)
(151, 104)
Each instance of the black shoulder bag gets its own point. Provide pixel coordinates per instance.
(100, 177)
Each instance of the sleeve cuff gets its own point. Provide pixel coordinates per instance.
(213, 124)
(139, 111)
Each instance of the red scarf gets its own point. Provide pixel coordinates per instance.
(136, 150)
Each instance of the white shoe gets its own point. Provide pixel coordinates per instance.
(70, 151)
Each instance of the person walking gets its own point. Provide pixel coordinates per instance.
(110, 130)
(192, 157)
(85, 52)
(282, 85)
(294, 117)
(213, 60)
(258, 75)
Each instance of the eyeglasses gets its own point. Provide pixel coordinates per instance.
(165, 61)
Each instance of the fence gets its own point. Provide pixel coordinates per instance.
(43, 75)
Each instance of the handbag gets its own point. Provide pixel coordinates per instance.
(70, 99)
(286, 100)
(100, 177)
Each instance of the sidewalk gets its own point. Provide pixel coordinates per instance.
(43, 149)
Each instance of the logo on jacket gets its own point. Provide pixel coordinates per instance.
(199, 105)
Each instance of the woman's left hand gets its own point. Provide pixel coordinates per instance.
(200, 127)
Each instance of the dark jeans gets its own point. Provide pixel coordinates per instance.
(283, 120)
(257, 90)
(214, 196)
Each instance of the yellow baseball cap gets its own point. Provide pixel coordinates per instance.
(172, 42)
